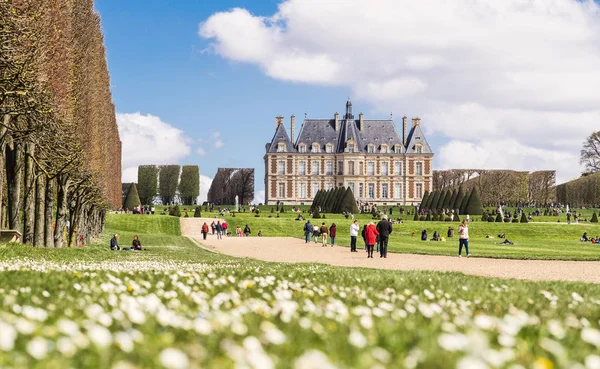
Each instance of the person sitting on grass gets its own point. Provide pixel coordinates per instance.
(114, 243)
(436, 236)
(502, 235)
(506, 242)
(584, 238)
(424, 235)
(450, 232)
(136, 244)
(259, 233)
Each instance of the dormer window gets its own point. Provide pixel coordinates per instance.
(397, 149)
(302, 148)
(351, 148)
(384, 149)
(315, 148)
(371, 148)
(281, 147)
(329, 148)
(418, 149)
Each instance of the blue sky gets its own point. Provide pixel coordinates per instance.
(482, 76)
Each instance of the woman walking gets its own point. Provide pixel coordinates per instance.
(370, 238)
(204, 230)
(332, 232)
(463, 238)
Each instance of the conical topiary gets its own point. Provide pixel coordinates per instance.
(424, 201)
(594, 218)
(474, 206)
(458, 200)
(132, 200)
(435, 201)
(197, 212)
(348, 203)
(416, 217)
(499, 218)
(441, 200)
(524, 218)
(450, 203)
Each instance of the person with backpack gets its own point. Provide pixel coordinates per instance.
(204, 230)
(332, 232)
(371, 234)
(308, 229)
(323, 231)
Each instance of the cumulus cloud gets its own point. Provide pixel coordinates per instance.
(507, 75)
(259, 197)
(200, 151)
(219, 144)
(147, 139)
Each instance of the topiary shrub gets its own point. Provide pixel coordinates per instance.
(456, 218)
(491, 219)
(498, 218)
(524, 218)
(197, 212)
(416, 217)
(174, 211)
(256, 211)
(323, 216)
(282, 210)
(515, 220)
(316, 214)
(186, 215)
(484, 217)
(594, 218)
(428, 218)
(507, 220)
(422, 218)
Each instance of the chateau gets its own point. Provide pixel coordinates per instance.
(369, 156)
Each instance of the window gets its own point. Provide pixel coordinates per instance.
(360, 190)
(315, 168)
(302, 190)
(329, 168)
(361, 168)
(419, 169)
(385, 169)
(282, 190)
(371, 168)
(398, 149)
(315, 147)
(351, 148)
(419, 149)
(384, 149)
(398, 191)
(329, 186)
(281, 167)
(302, 168)
(398, 168)
(302, 148)
(340, 168)
(315, 188)
(351, 168)
(419, 190)
(371, 190)
(371, 149)
(351, 187)
(329, 148)
(281, 147)
(384, 190)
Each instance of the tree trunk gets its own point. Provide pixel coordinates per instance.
(49, 213)
(29, 196)
(40, 216)
(3, 129)
(61, 210)
(14, 179)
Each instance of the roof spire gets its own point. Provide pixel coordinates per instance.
(349, 110)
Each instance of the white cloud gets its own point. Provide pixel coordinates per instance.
(219, 144)
(147, 139)
(205, 183)
(482, 73)
(259, 197)
(216, 134)
(200, 151)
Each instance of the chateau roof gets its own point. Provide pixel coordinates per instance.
(415, 137)
(280, 136)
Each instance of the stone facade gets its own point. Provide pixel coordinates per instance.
(369, 156)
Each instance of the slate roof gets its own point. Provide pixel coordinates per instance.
(376, 132)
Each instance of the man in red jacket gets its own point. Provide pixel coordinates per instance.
(370, 237)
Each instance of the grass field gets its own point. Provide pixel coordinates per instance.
(534, 240)
(177, 306)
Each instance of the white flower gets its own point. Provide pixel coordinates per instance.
(357, 339)
(124, 341)
(577, 297)
(366, 322)
(271, 334)
(202, 326)
(33, 313)
(8, 337)
(592, 362)
(381, 354)
(255, 354)
(93, 311)
(67, 327)
(313, 360)
(591, 335)
(38, 348)
(123, 365)
(471, 362)
(136, 316)
(66, 346)
(506, 340)
(484, 322)
(24, 326)
(453, 342)
(100, 336)
(173, 359)
(556, 329)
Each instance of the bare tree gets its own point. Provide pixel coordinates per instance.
(590, 153)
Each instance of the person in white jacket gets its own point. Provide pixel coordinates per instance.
(354, 228)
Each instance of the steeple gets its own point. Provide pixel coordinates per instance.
(349, 110)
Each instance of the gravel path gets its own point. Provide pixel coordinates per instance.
(287, 249)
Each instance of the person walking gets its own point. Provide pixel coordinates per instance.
(204, 230)
(384, 227)
(316, 233)
(332, 232)
(323, 231)
(463, 238)
(247, 231)
(224, 226)
(213, 227)
(353, 235)
(371, 234)
(219, 228)
(238, 231)
(308, 230)
(364, 236)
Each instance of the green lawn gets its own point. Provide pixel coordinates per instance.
(177, 306)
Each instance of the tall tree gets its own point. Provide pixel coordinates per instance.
(189, 184)
(147, 184)
(590, 153)
(168, 179)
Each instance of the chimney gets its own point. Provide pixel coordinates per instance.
(293, 130)
(404, 121)
(415, 121)
(337, 121)
(278, 120)
(360, 121)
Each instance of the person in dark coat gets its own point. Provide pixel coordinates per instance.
(114, 242)
(384, 227)
(136, 244)
(332, 233)
(247, 231)
(219, 228)
(364, 236)
(308, 229)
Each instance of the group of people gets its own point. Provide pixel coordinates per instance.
(136, 245)
(220, 229)
(586, 238)
(322, 232)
